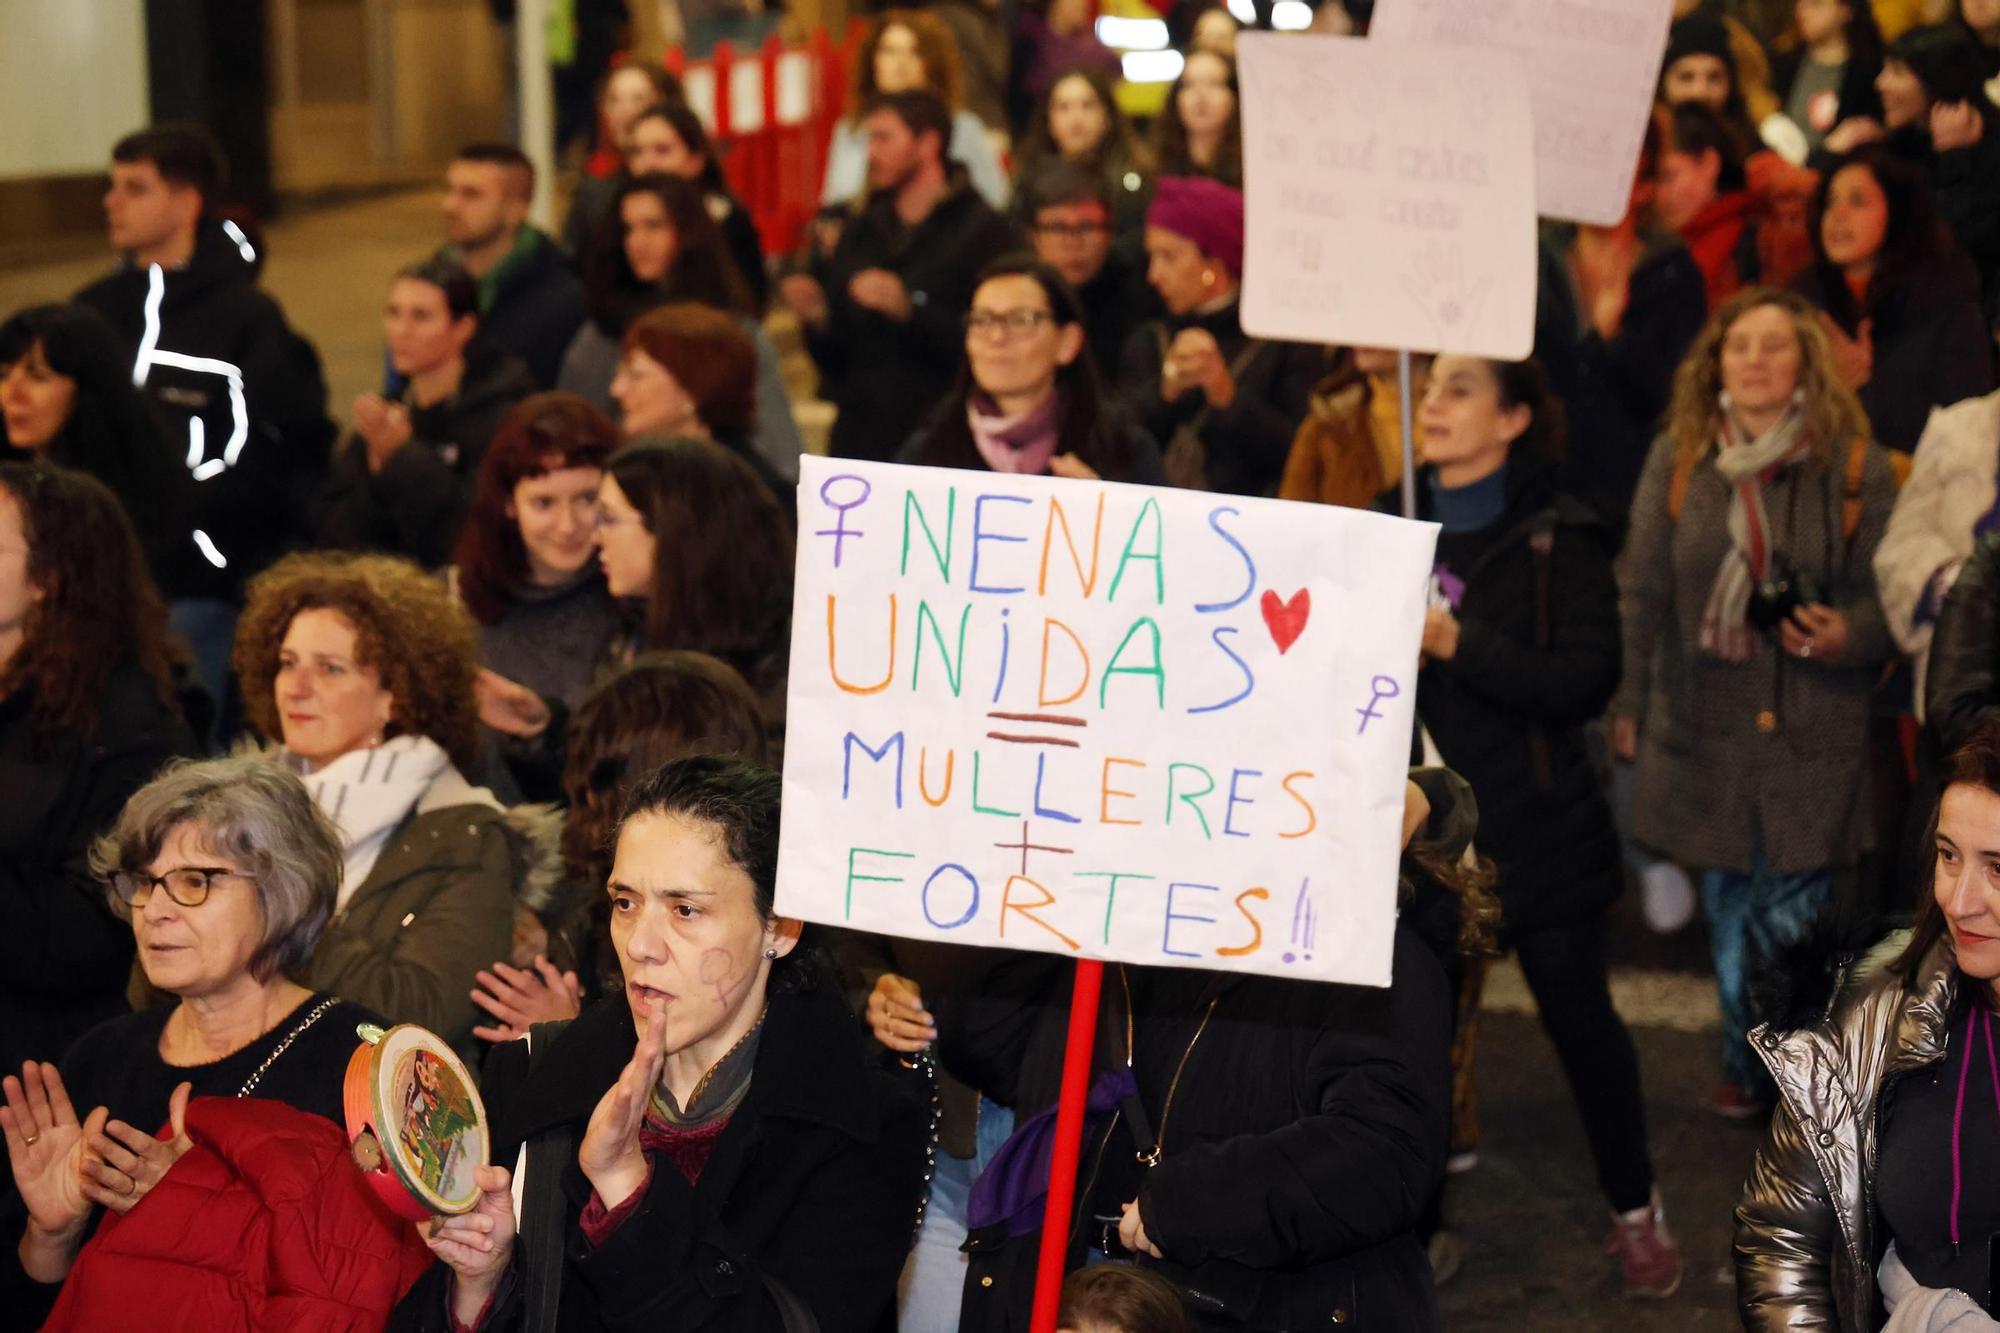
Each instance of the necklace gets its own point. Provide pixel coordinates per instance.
(250, 1084)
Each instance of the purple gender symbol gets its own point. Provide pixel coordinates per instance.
(840, 532)
(1384, 687)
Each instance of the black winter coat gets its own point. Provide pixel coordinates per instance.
(1932, 348)
(1614, 392)
(815, 1181)
(536, 310)
(1305, 1138)
(884, 375)
(1247, 442)
(1508, 711)
(211, 312)
(416, 504)
(1962, 688)
(1116, 302)
(64, 958)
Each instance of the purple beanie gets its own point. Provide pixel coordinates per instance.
(1206, 212)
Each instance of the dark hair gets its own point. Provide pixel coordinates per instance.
(1055, 182)
(680, 117)
(505, 155)
(1915, 239)
(923, 112)
(1861, 32)
(740, 801)
(1693, 129)
(722, 571)
(667, 86)
(1170, 135)
(1122, 1297)
(657, 708)
(1526, 384)
(1703, 34)
(707, 351)
(540, 434)
(1089, 426)
(1949, 62)
(184, 154)
(98, 607)
(703, 268)
(111, 432)
(1975, 763)
(461, 293)
(1116, 154)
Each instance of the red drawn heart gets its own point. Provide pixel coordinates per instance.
(1286, 619)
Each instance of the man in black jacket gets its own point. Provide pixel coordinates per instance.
(530, 304)
(884, 313)
(1068, 213)
(238, 390)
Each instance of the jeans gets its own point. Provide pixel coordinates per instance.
(1750, 918)
(1566, 971)
(933, 1283)
(209, 626)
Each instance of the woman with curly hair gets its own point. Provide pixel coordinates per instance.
(909, 50)
(86, 717)
(1752, 640)
(527, 557)
(363, 667)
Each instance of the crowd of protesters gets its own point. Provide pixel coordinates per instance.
(468, 713)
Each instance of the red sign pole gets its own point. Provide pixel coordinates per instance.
(1069, 1142)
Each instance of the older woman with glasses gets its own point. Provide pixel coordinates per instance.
(227, 872)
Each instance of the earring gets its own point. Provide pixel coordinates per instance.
(1799, 396)
(1208, 277)
(771, 954)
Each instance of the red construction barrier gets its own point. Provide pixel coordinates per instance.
(771, 115)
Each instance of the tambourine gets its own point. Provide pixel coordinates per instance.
(415, 1122)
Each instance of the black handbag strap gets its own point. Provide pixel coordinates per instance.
(542, 1213)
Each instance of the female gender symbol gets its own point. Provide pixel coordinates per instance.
(1384, 687)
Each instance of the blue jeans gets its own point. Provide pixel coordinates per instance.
(1750, 918)
(928, 1298)
(209, 626)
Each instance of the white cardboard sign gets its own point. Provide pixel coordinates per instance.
(1390, 195)
(1592, 65)
(1108, 721)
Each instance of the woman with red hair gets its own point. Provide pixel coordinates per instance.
(526, 566)
(690, 370)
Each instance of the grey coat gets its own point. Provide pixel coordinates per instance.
(1808, 1233)
(1774, 748)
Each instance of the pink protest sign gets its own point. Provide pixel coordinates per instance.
(1109, 721)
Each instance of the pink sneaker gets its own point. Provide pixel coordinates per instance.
(1648, 1256)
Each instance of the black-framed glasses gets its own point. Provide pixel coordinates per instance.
(988, 323)
(1072, 231)
(186, 885)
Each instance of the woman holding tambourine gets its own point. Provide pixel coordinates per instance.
(716, 1147)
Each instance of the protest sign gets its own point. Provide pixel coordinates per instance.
(1389, 195)
(1593, 66)
(1107, 721)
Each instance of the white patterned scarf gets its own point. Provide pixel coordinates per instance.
(368, 794)
(1746, 465)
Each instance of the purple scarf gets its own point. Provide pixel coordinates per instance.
(1022, 444)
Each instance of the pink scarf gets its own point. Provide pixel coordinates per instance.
(1022, 444)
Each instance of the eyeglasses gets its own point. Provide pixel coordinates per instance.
(186, 885)
(1072, 231)
(987, 324)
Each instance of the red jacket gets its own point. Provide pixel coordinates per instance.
(265, 1224)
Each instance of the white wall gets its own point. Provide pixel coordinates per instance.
(72, 80)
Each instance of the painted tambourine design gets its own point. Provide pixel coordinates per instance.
(415, 1121)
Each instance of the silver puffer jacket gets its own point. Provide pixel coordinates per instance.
(1808, 1231)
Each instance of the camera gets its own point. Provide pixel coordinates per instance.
(1783, 590)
